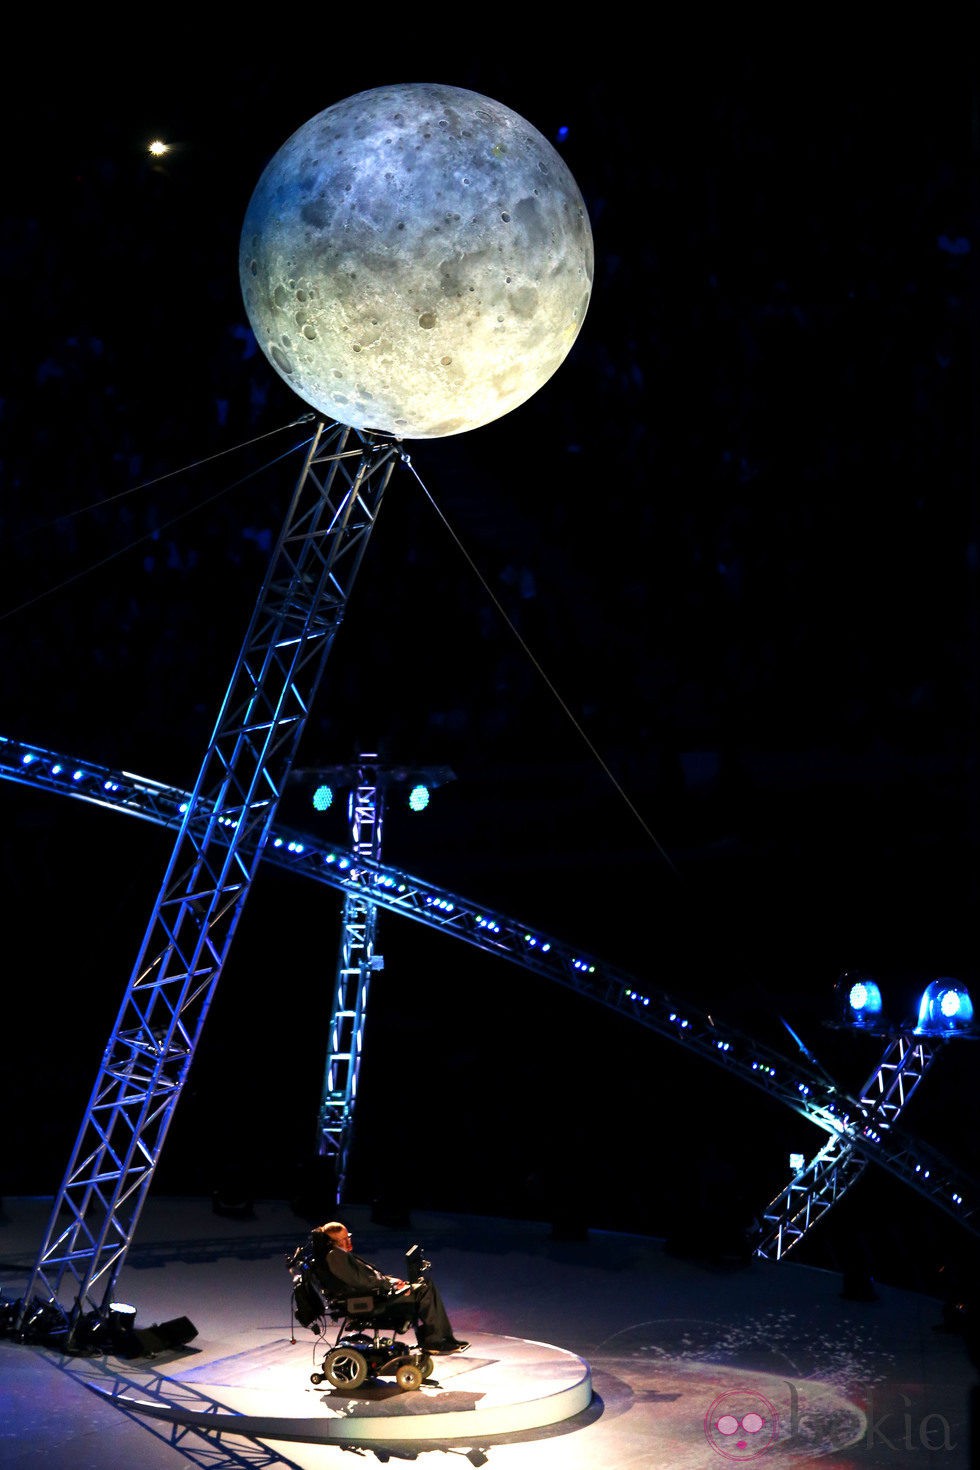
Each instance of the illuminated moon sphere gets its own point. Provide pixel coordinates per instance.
(416, 260)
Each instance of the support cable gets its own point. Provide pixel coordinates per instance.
(539, 670)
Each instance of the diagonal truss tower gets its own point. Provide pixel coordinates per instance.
(356, 963)
(223, 830)
(838, 1165)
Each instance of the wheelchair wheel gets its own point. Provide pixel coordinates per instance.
(317, 1377)
(345, 1367)
(426, 1365)
(408, 1376)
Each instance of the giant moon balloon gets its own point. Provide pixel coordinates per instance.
(416, 260)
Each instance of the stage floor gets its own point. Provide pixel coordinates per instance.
(584, 1355)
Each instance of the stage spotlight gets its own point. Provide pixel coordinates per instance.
(105, 1332)
(418, 798)
(322, 799)
(121, 1320)
(945, 1009)
(858, 1000)
(42, 1321)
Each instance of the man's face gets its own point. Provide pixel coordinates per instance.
(344, 1242)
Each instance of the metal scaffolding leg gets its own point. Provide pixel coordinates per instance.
(223, 831)
(356, 963)
(831, 1172)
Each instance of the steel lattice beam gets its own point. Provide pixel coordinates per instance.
(223, 827)
(791, 1082)
(356, 963)
(836, 1167)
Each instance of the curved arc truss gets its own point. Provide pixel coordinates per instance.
(806, 1090)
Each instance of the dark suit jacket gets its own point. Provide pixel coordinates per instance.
(354, 1276)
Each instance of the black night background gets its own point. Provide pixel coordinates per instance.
(695, 628)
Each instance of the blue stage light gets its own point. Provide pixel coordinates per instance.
(945, 1009)
(322, 799)
(859, 999)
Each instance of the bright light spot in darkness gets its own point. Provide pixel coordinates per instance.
(418, 798)
(322, 799)
(158, 148)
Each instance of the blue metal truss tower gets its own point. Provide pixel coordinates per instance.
(224, 828)
(838, 1165)
(356, 962)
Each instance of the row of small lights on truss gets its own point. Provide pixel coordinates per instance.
(78, 773)
(954, 1020)
(945, 1008)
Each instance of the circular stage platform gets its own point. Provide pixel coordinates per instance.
(498, 1386)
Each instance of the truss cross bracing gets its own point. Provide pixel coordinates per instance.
(356, 963)
(905, 1062)
(832, 1171)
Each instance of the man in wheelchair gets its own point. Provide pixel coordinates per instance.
(363, 1296)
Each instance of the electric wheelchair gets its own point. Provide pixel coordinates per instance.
(369, 1328)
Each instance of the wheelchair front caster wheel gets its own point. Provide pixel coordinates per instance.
(316, 1377)
(408, 1376)
(426, 1365)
